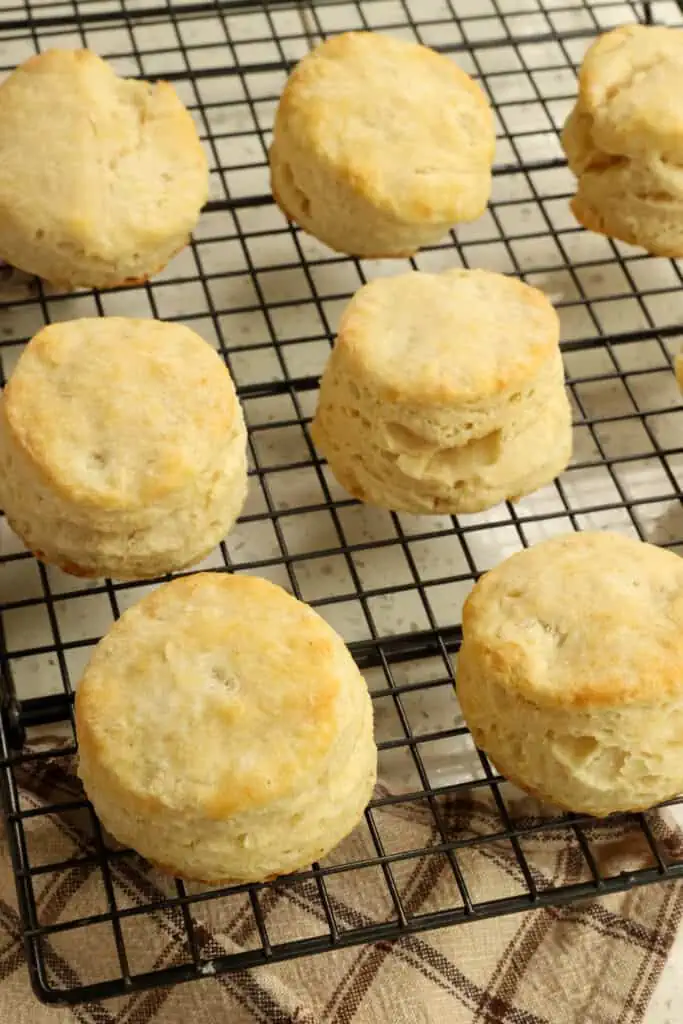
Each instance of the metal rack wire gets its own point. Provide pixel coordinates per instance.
(268, 297)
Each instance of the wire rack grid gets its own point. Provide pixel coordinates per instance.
(268, 297)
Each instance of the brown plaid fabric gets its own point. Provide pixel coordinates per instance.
(589, 963)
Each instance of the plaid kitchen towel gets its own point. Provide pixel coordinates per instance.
(594, 962)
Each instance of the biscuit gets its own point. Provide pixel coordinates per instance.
(624, 138)
(122, 447)
(380, 145)
(569, 675)
(225, 731)
(445, 393)
(101, 179)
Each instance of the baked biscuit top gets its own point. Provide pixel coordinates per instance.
(117, 413)
(630, 83)
(218, 694)
(457, 336)
(585, 620)
(110, 164)
(399, 122)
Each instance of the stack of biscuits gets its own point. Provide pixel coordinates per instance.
(225, 730)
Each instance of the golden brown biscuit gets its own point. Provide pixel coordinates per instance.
(445, 393)
(101, 179)
(225, 731)
(569, 675)
(624, 138)
(381, 145)
(122, 447)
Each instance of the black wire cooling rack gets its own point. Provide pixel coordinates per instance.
(268, 297)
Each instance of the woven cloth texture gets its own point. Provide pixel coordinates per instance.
(594, 962)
